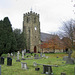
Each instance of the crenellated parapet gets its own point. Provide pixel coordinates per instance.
(31, 13)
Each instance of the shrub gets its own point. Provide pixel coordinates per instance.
(4, 55)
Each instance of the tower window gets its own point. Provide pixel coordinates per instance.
(34, 19)
(27, 20)
(35, 28)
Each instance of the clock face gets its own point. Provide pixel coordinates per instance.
(35, 28)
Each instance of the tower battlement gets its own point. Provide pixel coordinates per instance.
(31, 13)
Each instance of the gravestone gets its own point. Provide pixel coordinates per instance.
(24, 51)
(2, 60)
(36, 57)
(18, 56)
(31, 56)
(69, 60)
(69, 53)
(46, 57)
(47, 69)
(23, 55)
(65, 58)
(34, 63)
(43, 55)
(57, 57)
(9, 61)
(37, 69)
(11, 54)
(8, 55)
(31, 53)
(24, 65)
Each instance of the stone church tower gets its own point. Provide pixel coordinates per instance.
(31, 29)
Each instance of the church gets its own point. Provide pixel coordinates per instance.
(35, 38)
(31, 29)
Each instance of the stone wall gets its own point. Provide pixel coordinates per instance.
(31, 29)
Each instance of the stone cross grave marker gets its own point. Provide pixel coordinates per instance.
(69, 60)
(23, 55)
(18, 56)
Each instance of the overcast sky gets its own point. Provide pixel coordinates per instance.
(52, 12)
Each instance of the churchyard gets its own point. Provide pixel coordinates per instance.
(36, 64)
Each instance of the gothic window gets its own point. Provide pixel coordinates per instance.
(34, 19)
(27, 19)
(35, 28)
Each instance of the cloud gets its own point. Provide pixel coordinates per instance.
(51, 12)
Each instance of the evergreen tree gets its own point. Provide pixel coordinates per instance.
(1, 38)
(21, 44)
(7, 39)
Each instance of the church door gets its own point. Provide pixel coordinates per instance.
(34, 49)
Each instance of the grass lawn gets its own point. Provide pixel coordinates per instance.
(15, 69)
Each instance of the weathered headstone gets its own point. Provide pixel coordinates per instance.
(65, 58)
(36, 57)
(23, 55)
(43, 55)
(24, 65)
(9, 61)
(31, 56)
(57, 57)
(46, 57)
(11, 54)
(69, 53)
(18, 56)
(31, 53)
(8, 55)
(69, 60)
(34, 63)
(2, 60)
(24, 51)
(47, 68)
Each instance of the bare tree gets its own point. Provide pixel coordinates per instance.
(68, 30)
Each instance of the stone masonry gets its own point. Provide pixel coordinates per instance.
(31, 29)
